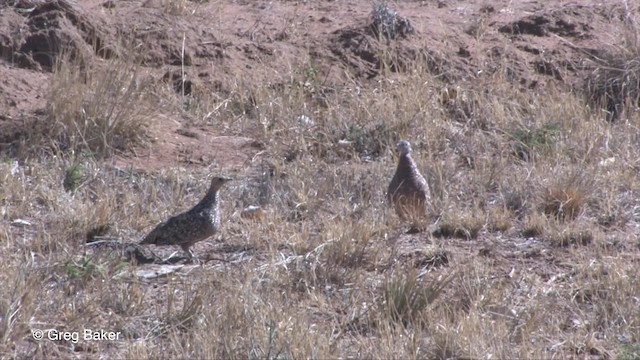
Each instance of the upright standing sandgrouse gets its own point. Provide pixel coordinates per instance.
(190, 227)
(408, 191)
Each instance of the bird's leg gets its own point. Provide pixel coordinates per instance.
(416, 216)
(187, 252)
(169, 259)
(190, 257)
(418, 225)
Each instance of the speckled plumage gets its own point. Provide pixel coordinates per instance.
(192, 226)
(408, 191)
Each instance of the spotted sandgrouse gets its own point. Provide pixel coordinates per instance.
(192, 226)
(408, 191)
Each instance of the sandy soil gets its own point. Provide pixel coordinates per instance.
(532, 42)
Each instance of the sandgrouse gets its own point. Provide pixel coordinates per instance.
(189, 227)
(408, 191)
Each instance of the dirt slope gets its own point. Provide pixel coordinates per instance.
(541, 42)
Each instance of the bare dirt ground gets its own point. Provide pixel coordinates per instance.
(533, 248)
(534, 42)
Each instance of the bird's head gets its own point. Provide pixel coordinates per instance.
(218, 181)
(403, 147)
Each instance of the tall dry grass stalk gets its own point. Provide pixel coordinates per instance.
(102, 107)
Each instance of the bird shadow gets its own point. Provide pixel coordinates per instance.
(142, 255)
(415, 230)
(136, 253)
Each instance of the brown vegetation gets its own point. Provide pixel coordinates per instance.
(119, 113)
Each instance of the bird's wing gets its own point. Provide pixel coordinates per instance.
(169, 232)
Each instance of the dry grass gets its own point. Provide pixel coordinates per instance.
(175, 7)
(528, 267)
(101, 108)
(565, 199)
(613, 86)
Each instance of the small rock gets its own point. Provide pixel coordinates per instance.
(253, 212)
(608, 161)
(15, 167)
(21, 223)
(156, 271)
(305, 121)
